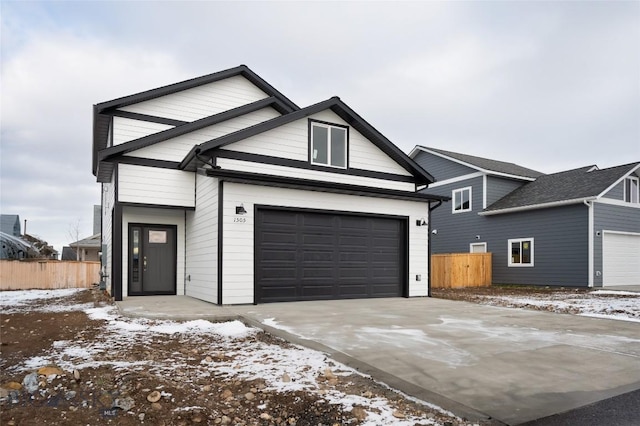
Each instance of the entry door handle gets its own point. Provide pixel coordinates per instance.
(144, 263)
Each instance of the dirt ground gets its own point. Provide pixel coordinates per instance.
(140, 394)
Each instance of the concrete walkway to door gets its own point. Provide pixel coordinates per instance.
(512, 365)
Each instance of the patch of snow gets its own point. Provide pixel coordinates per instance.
(24, 297)
(616, 293)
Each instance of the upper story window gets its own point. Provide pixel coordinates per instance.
(329, 144)
(632, 190)
(461, 200)
(521, 252)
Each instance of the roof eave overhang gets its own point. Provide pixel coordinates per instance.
(319, 186)
(418, 148)
(537, 206)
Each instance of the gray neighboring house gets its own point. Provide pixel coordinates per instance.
(573, 228)
(10, 224)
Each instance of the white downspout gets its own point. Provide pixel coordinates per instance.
(590, 239)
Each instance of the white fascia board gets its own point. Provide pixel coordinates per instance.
(619, 180)
(455, 179)
(537, 206)
(619, 203)
(480, 169)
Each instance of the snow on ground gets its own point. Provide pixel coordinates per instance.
(610, 304)
(244, 358)
(14, 301)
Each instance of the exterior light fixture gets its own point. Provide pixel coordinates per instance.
(240, 209)
(421, 222)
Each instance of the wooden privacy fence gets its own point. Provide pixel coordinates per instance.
(47, 274)
(454, 270)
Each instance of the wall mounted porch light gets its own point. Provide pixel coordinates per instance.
(421, 222)
(240, 209)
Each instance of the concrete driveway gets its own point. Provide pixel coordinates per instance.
(511, 365)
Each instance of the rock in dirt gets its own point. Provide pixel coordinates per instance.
(359, 413)
(50, 371)
(154, 396)
(12, 386)
(76, 375)
(398, 415)
(286, 378)
(30, 382)
(125, 404)
(156, 406)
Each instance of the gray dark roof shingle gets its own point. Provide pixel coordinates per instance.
(490, 165)
(577, 184)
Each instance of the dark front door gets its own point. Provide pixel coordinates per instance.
(152, 259)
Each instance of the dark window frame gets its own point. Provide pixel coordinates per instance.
(328, 126)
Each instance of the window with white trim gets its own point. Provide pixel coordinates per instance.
(328, 145)
(632, 190)
(461, 200)
(521, 252)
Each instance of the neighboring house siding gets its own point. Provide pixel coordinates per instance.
(440, 168)
(127, 129)
(291, 141)
(456, 231)
(158, 217)
(202, 242)
(616, 193)
(238, 237)
(149, 185)
(270, 169)
(609, 217)
(202, 101)
(176, 148)
(108, 201)
(498, 188)
(561, 246)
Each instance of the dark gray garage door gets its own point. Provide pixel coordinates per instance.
(303, 255)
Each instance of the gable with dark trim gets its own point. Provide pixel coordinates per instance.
(337, 106)
(102, 112)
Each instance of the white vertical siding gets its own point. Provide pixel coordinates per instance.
(291, 141)
(127, 129)
(150, 185)
(108, 201)
(202, 242)
(176, 148)
(202, 101)
(156, 217)
(238, 237)
(270, 169)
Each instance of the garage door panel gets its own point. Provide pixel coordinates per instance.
(621, 259)
(338, 256)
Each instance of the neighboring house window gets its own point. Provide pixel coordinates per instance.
(461, 200)
(521, 252)
(632, 190)
(328, 145)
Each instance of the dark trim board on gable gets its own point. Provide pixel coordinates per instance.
(320, 186)
(145, 117)
(147, 162)
(279, 161)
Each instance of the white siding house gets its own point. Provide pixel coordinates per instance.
(222, 189)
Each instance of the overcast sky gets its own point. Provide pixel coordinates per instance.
(547, 85)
